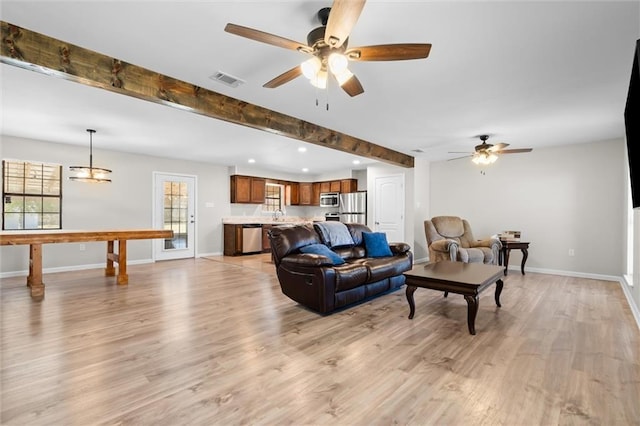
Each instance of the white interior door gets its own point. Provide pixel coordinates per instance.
(174, 201)
(389, 207)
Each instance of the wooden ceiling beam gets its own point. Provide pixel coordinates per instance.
(37, 52)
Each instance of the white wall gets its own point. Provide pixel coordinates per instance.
(126, 203)
(561, 198)
(422, 177)
(634, 291)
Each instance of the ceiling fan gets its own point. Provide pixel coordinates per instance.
(328, 48)
(487, 153)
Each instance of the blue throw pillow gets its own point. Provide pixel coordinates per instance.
(324, 251)
(376, 245)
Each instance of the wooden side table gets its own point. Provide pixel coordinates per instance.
(507, 246)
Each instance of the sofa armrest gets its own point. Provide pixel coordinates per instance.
(399, 248)
(444, 246)
(306, 259)
(487, 242)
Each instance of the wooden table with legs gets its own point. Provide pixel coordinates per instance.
(507, 246)
(468, 279)
(35, 239)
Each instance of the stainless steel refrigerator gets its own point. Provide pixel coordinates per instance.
(353, 207)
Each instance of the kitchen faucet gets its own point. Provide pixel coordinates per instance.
(275, 214)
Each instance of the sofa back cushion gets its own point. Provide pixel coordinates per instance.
(448, 226)
(286, 240)
(356, 230)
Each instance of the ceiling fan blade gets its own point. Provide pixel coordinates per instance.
(515, 151)
(283, 78)
(389, 52)
(267, 38)
(353, 86)
(457, 158)
(498, 147)
(342, 18)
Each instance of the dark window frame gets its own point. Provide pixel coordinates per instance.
(26, 194)
(272, 202)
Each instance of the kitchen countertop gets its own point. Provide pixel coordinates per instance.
(268, 220)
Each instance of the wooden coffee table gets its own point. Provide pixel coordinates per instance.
(468, 279)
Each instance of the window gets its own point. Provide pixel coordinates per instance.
(32, 195)
(272, 198)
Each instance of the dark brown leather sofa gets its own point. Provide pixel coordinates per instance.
(310, 280)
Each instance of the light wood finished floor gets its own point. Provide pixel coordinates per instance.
(209, 342)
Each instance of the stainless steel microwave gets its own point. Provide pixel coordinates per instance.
(329, 199)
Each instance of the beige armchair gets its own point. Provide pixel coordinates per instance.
(450, 238)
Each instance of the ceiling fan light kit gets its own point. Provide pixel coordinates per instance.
(486, 153)
(484, 158)
(328, 46)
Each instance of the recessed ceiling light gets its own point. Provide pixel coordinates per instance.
(305, 170)
(251, 160)
(302, 149)
(356, 161)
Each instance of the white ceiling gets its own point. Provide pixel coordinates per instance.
(531, 74)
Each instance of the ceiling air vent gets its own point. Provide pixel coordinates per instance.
(418, 150)
(227, 79)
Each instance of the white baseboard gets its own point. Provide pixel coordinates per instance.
(635, 310)
(568, 273)
(70, 268)
(219, 253)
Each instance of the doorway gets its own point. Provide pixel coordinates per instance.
(173, 208)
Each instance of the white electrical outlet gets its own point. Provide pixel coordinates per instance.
(83, 247)
(572, 252)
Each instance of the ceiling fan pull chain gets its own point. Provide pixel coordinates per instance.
(326, 94)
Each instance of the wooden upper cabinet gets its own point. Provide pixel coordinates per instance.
(293, 193)
(306, 193)
(315, 193)
(252, 190)
(348, 185)
(258, 190)
(240, 189)
(247, 189)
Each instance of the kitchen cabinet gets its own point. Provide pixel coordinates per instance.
(266, 244)
(247, 189)
(292, 194)
(242, 239)
(315, 194)
(251, 190)
(306, 194)
(348, 185)
(232, 240)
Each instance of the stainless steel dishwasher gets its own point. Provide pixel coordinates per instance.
(251, 238)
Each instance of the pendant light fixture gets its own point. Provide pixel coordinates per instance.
(90, 173)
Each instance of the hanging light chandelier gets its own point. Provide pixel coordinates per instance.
(90, 173)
